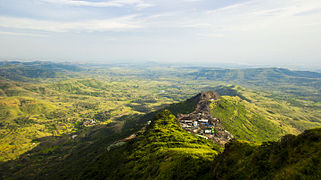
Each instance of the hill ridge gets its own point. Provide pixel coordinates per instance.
(204, 123)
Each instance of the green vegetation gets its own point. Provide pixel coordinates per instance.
(82, 157)
(29, 111)
(30, 71)
(243, 121)
(297, 84)
(87, 156)
(58, 115)
(257, 117)
(163, 150)
(294, 157)
(166, 151)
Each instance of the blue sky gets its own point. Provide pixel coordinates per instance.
(275, 32)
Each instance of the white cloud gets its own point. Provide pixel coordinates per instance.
(231, 7)
(116, 24)
(22, 34)
(111, 3)
(265, 16)
(192, 0)
(211, 35)
(248, 16)
(250, 30)
(196, 25)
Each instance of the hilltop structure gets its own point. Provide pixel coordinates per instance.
(202, 123)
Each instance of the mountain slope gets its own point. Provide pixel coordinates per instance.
(53, 152)
(31, 111)
(294, 157)
(263, 74)
(255, 116)
(163, 150)
(166, 151)
(44, 130)
(27, 71)
(244, 121)
(303, 84)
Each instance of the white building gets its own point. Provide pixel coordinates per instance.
(203, 120)
(195, 123)
(187, 121)
(207, 131)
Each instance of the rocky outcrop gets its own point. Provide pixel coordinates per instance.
(209, 95)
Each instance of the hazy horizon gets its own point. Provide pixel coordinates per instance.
(242, 32)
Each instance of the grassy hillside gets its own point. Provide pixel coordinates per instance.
(24, 119)
(299, 84)
(254, 116)
(62, 157)
(27, 71)
(294, 157)
(163, 150)
(262, 74)
(243, 121)
(29, 111)
(166, 151)
(40, 113)
(87, 156)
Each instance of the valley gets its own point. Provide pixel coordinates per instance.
(160, 90)
(149, 120)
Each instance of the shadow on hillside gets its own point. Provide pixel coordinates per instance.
(86, 155)
(226, 91)
(65, 156)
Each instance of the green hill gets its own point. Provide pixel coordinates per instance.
(294, 157)
(252, 74)
(29, 111)
(49, 153)
(27, 71)
(164, 138)
(244, 121)
(76, 128)
(163, 150)
(166, 151)
(299, 84)
(254, 116)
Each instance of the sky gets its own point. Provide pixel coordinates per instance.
(275, 32)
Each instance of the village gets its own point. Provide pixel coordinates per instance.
(202, 123)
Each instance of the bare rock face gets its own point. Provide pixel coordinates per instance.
(208, 95)
(204, 102)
